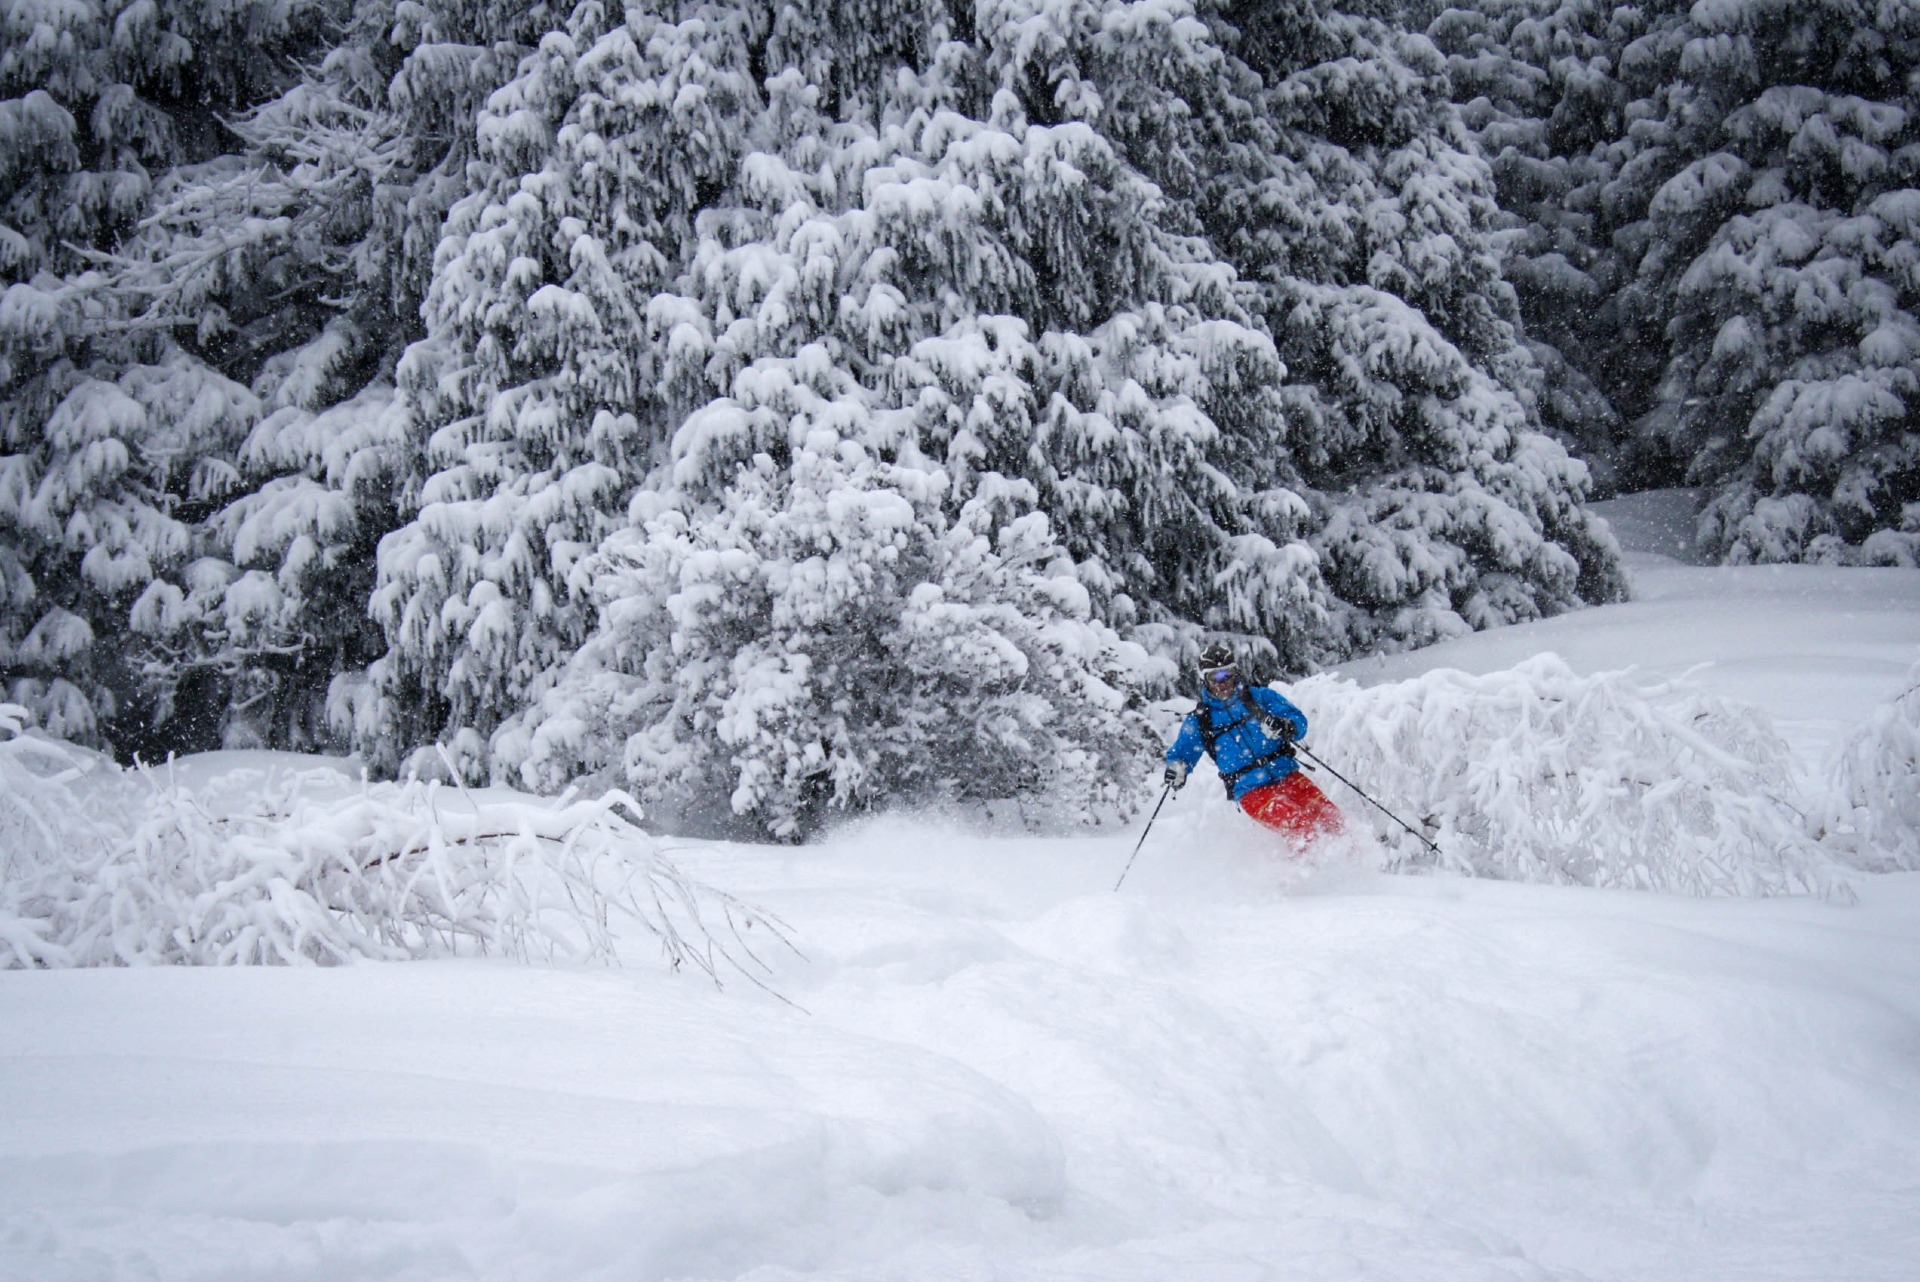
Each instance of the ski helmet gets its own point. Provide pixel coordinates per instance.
(1217, 667)
(1216, 656)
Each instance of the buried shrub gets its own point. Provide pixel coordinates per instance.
(310, 867)
(1539, 774)
(1872, 819)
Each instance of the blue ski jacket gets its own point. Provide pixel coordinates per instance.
(1247, 756)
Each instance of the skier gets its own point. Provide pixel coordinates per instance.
(1250, 732)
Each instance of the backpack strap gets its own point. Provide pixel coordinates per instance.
(1278, 754)
(1208, 735)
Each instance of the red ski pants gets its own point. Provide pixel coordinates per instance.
(1294, 807)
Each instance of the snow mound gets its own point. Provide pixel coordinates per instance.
(1540, 774)
(1873, 819)
(307, 867)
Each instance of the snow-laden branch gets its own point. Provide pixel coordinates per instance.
(309, 868)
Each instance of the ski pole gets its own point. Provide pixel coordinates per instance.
(1302, 748)
(1164, 794)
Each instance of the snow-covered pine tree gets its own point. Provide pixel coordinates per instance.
(896, 243)
(306, 256)
(1357, 202)
(903, 626)
(1784, 254)
(529, 392)
(115, 439)
(1714, 203)
(1539, 90)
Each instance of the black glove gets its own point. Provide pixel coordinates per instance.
(1280, 729)
(1176, 776)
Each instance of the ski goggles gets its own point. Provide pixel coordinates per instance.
(1217, 676)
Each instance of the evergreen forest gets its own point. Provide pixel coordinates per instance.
(779, 409)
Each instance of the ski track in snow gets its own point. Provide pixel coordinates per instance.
(996, 1067)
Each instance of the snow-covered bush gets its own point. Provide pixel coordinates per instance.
(307, 867)
(1540, 774)
(41, 822)
(824, 637)
(1873, 820)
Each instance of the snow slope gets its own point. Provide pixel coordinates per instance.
(990, 1065)
(1818, 648)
